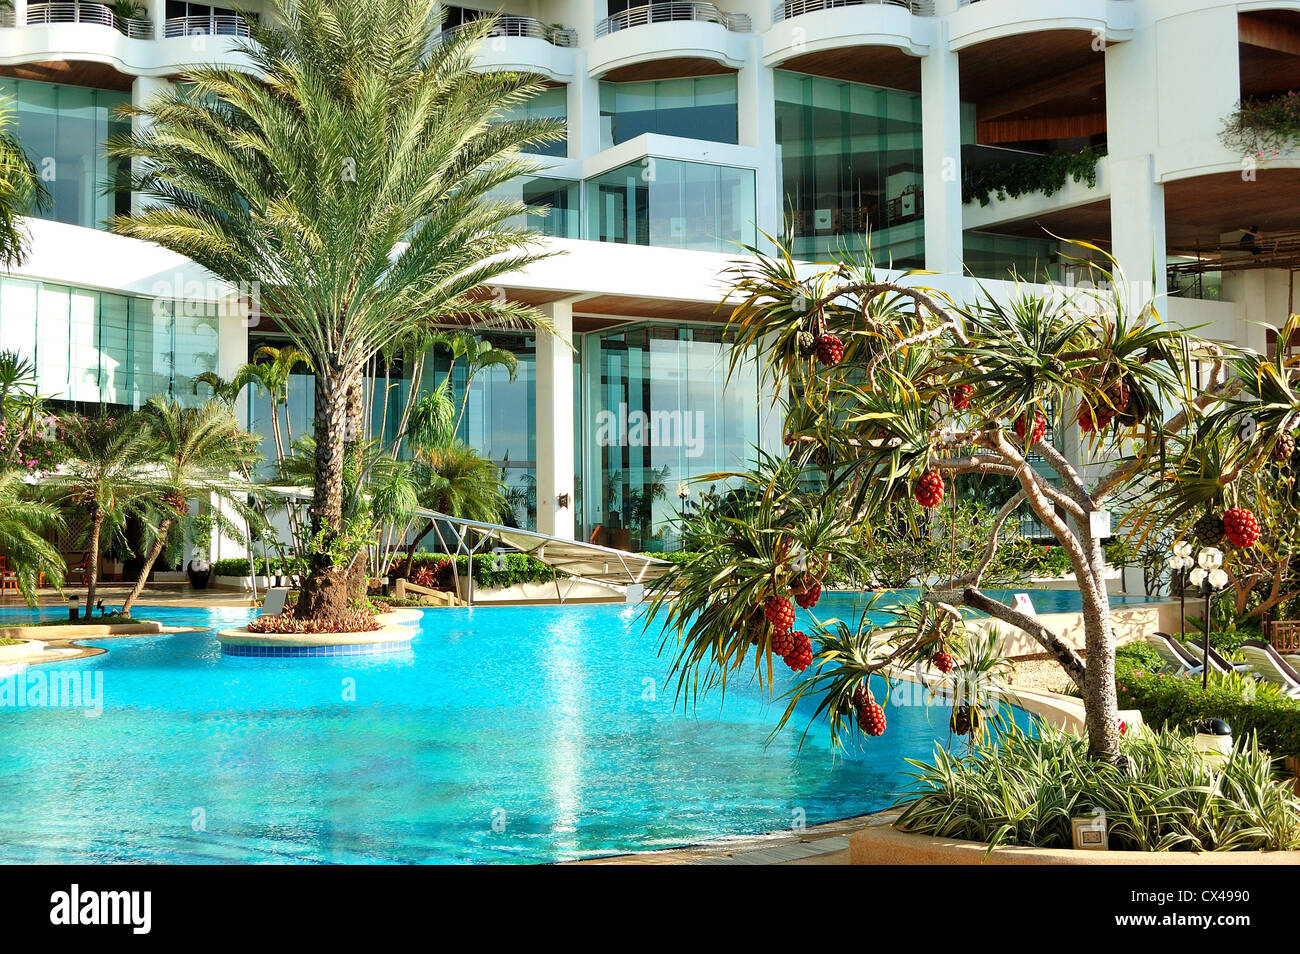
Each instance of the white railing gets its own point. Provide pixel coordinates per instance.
(77, 12)
(212, 25)
(793, 8)
(664, 12)
(530, 28)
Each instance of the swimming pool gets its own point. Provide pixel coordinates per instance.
(507, 734)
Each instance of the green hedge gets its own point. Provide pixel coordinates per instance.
(1180, 702)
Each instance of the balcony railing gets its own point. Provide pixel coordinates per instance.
(665, 12)
(212, 25)
(77, 12)
(793, 8)
(530, 28)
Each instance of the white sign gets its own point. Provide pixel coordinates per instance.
(1099, 521)
(1025, 605)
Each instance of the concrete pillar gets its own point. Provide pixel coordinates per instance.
(756, 126)
(20, 13)
(555, 408)
(158, 14)
(1137, 199)
(144, 89)
(941, 154)
(583, 111)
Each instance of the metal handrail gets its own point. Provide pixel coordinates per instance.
(786, 9)
(665, 12)
(214, 25)
(529, 28)
(78, 12)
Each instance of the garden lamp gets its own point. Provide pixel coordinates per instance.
(1210, 577)
(1214, 741)
(73, 610)
(1180, 562)
(683, 494)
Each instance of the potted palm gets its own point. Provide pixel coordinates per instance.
(199, 570)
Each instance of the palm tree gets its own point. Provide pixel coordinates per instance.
(23, 522)
(349, 174)
(196, 450)
(100, 474)
(21, 190)
(454, 479)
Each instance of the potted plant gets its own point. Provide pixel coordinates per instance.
(199, 569)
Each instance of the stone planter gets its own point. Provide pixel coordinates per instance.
(883, 844)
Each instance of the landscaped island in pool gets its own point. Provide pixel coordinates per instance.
(507, 734)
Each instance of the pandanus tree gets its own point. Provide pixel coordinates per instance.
(351, 175)
(198, 453)
(896, 389)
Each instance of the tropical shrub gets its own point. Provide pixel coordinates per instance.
(1046, 174)
(1263, 128)
(352, 620)
(1252, 708)
(1022, 789)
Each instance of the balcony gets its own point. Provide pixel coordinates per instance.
(528, 28)
(97, 13)
(793, 8)
(212, 25)
(669, 12)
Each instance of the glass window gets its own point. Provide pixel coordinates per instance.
(658, 410)
(674, 204)
(987, 255)
(851, 166)
(550, 103)
(702, 107)
(63, 130)
(553, 204)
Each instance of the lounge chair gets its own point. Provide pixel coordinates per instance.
(1217, 662)
(1173, 655)
(1269, 665)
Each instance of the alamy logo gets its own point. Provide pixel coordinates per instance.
(54, 689)
(626, 428)
(94, 908)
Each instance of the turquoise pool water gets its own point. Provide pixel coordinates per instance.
(507, 734)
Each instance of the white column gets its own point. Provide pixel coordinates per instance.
(143, 89)
(583, 111)
(941, 154)
(555, 408)
(1137, 199)
(158, 14)
(20, 13)
(756, 126)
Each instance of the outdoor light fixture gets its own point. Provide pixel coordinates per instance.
(1214, 741)
(563, 501)
(683, 490)
(73, 611)
(1181, 562)
(1210, 577)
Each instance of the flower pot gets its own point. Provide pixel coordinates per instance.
(199, 573)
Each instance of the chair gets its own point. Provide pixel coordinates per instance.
(1173, 655)
(8, 578)
(1269, 665)
(1217, 662)
(273, 604)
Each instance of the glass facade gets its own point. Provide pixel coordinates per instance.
(850, 158)
(672, 204)
(63, 129)
(551, 103)
(702, 107)
(989, 255)
(657, 409)
(554, 204)
(95, 347)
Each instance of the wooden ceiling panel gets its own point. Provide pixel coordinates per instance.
(672, 68)
(71, 73)
(884, 66)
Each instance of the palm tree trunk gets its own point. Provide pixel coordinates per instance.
(149, 561)
(92, 561)
(324, 592)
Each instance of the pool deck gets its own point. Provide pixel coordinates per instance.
(155, 594)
